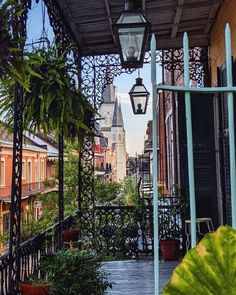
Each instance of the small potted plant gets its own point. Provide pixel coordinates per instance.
(35, 286)
(71, 235)
(170, 248)
(169, 231)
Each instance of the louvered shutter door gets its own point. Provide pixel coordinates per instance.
(224, 144)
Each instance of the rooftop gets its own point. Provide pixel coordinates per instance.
(90, 22)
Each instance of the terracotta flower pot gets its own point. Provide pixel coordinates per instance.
(170, 249)
(71, 235)
(31, 289)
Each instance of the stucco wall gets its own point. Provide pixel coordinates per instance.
(226, 14)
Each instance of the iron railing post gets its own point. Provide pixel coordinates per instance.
(15, 207)
(189, 143)
(231, 123)
(155, 166)
(61, 187)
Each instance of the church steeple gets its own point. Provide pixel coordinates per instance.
(117, 120)
(109, 93)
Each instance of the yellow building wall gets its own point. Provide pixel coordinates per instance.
(226, 14)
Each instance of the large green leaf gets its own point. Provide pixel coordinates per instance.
(209, 268)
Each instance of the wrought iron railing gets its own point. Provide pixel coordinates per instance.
(127, 231)
(171, 216)
(31, 252)
(116, 231)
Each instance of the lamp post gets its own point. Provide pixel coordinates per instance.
(139, 97)
(131, 31)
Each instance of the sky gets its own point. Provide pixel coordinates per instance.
(135, 125)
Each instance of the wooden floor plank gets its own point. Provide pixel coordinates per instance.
(135, 277)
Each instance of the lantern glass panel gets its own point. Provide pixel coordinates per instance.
(139, 104)
(131, 17)
(131, 41)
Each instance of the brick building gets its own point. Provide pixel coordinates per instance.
(209, 123)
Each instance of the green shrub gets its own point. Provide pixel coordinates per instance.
(75, 272)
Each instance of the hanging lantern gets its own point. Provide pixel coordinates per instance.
(139, 97)
(131, 31)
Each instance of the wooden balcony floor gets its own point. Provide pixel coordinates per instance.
(135, 277)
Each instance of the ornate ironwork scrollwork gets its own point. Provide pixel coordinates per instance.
(63, 33)
(172, 60)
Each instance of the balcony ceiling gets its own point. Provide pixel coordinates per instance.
(91, 22)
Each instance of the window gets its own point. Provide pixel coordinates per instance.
(6, 223)
(2, 173)
(23, 169)
(29, 171)
(42, 170)
(119, 137)
(36, 171)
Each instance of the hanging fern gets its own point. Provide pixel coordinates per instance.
(53, 102)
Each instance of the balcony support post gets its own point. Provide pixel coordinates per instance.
(61, 187)
(15, 207)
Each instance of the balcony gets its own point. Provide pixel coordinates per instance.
(120, 233)
(29, 189)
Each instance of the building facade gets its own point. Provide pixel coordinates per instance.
(209, 124)
(37, 170)
(112, 128)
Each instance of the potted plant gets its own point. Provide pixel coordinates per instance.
(169, 231)
(75, 272)
(170, 248)
(35, 286)
(71, 235)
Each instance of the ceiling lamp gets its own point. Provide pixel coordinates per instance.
(131, 31)
(139, 97)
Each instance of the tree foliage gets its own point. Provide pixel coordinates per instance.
(71, 180)
(107, 192)
(129, 190)
(30, 226)
(124, 193)
(11, 44)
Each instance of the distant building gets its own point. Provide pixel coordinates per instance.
(38, 167)
(112, 128)
(104, 158)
